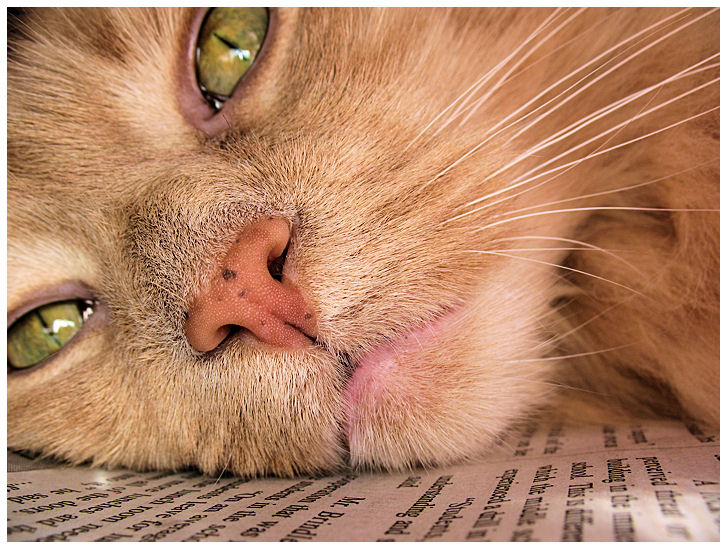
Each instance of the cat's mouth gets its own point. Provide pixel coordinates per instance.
(380, 380)
(380, 369)
(375, 360)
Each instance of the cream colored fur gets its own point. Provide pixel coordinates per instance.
(352, 131)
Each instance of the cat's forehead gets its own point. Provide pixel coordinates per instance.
(97, 100)
(322, 66)
(99, 139)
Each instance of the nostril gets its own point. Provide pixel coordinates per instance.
(247, 291)
(230, 330)
(275, 266)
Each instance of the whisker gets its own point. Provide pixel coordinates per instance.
(576, 355)
(598, 25)
(616, 105)
(583, 66)
(593, 60)
(166, 290)
(229, 459)
(592, 155)
(546, 143)
(563, 172)
(547, 263)
(622, 63)
(580, 125)
(613, 191)
(490, 135)
(565, 249)
(482, 80)
(562, 336)
(507, 75)
(543, 249)
(597, 208)
(573, 241)
(478, 103)
(555, 310)
(553, 384)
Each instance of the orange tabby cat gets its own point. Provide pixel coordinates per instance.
(283, 241)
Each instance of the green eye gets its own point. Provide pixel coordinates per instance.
(228, 43)
(38, 334)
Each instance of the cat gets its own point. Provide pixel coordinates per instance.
(370, 238)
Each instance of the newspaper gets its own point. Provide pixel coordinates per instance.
(652, 481)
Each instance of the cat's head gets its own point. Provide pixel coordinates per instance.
(359, 191)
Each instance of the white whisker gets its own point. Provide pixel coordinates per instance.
(583, 66)
(482, 80)
(547, 263)
(573, 241)
(552, 384)
(597, 208)
(576, 355)
(504, 78)
(622, 63)
(490, 135)
(589, 156)
(616, 105)
(565, 249)
(545, 249)
(613, 191)
(576, 71)
(582, 325)
(555, 310)
(508, 74)
(583, 123)
(587, 32)
(560, 174)
(545, 143)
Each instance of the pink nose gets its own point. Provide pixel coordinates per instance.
(243, 292)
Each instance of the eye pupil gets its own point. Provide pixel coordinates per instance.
(43, 331)
(228, 44)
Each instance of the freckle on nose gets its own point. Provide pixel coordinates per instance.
(277, 304)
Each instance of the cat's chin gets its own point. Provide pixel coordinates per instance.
(446, 389)
(393, 388)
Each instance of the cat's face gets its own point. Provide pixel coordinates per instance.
(353, 136)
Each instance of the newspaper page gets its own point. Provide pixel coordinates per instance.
(636, 482)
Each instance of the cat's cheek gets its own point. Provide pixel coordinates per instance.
(47, 404)
(449, 389)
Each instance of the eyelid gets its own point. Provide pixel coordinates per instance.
(194, 107)
(66, 291)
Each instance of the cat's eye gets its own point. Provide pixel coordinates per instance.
(229, 41)
(40, 333)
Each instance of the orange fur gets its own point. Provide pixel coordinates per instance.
(410, 199)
